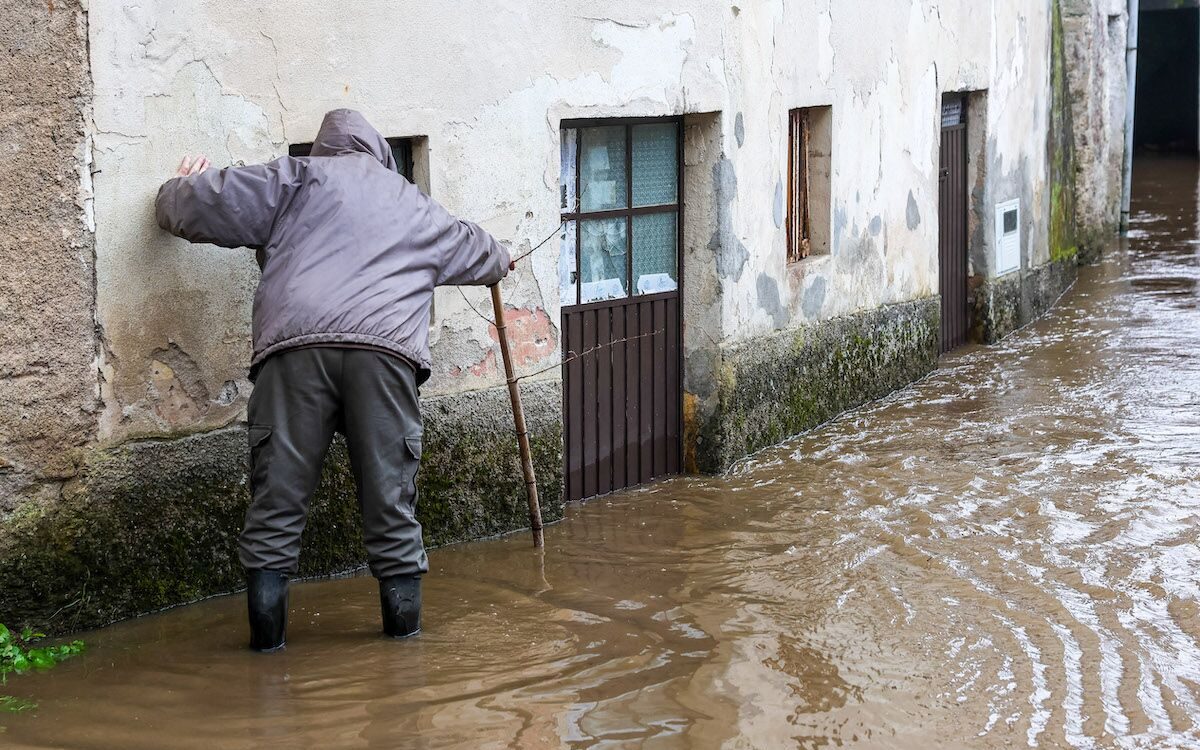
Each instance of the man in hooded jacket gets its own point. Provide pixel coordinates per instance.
(350, 253)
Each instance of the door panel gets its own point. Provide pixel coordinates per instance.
(622, 390)
(952, 237)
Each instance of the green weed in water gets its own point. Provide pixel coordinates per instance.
(18, 653)
(13, 704)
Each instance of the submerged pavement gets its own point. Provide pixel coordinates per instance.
(1004, 554)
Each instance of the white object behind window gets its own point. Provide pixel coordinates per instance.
(653, 283)
(591, 291)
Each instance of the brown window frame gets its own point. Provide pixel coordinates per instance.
(799, 211)
(629, 211)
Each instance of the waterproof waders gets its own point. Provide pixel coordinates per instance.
(301, 398)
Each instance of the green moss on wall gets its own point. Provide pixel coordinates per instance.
(1060, 149)
(155, 523)
(775, 386)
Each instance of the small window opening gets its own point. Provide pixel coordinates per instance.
(809, 181)
(402, 153)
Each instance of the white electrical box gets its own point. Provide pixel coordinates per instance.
(1008, 237)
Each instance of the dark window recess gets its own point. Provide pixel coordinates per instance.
(402, 152)
(799, 221)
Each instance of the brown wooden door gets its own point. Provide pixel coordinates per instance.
(952, 233)
(621, 393)
(620, 277)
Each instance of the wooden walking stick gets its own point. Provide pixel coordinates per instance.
(514, 393)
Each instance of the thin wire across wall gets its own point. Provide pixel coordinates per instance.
(573, 355)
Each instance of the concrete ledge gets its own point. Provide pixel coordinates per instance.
(1003, 305)
(775, 386)
(153, 524)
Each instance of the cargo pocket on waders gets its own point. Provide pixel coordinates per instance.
(412, 463)
(259, 437)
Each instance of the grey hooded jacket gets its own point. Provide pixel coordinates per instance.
(350, 250)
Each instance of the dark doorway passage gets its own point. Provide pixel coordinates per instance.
(1167, 110)
(952, 223)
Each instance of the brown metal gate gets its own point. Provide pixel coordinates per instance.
(622, 394)
(952, 226)
(622, 399)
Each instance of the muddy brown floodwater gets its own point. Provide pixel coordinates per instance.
(1004, 554)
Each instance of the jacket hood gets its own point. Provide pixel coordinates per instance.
(345, 131)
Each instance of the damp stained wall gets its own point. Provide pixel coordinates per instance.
(1095, 40)
(486, 87)
(48, 383)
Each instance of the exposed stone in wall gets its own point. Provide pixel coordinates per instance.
(48, 377)
(775, 386)
(703, 293)
(1001, 306)
(1060, 150)
(1094, 36)
(155, 523)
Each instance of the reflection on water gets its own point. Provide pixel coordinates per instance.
(1004, 554)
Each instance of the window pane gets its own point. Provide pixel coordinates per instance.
(602, 169)
(655, 167)
(654, 253)
(603, 247)
(567, 283)
(568, 153)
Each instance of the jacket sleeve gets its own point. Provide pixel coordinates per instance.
(231, 207)
(468, 254)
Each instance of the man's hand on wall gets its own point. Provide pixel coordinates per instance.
(192, 165)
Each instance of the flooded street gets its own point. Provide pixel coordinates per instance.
(1005, 554)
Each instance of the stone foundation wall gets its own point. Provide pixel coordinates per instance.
(152, 524)
(775, 386)
(1001, 306)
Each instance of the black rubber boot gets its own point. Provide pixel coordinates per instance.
(400, 597)
(267, 597)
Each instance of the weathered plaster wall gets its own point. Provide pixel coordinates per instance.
(1095, 38)
(1050, 239)
(1018, 121)
(241, 81)
(47, 343)
(882, 68)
